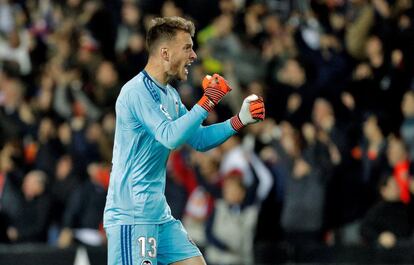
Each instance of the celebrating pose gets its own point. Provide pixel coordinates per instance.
(151, 121)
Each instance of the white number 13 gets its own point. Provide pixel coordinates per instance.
(143, 245)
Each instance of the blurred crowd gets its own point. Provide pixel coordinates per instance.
(330, 165)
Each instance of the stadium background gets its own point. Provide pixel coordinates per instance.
(330, 166)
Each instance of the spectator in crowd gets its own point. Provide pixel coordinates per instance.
(407, 126)
(397, 157)
(16, 50)
(9, 196)
(373, 160)
(236, 156)
(32, 219)
(16, 117)
(83, 215)
(12, 162)
(107, 86)
(133, 57)
(130, 24)
(231, 226)
(49, 148)
(361, 19)
(291, 93)
(201, 200)
(309, 168)
(387, 224)
(70, 99)
(63, 186)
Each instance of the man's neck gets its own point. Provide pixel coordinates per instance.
(156, 70)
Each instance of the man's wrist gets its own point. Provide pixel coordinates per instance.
(236, 123)
(206, 103)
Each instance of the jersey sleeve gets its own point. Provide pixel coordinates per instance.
(170, 133)
(207, 137)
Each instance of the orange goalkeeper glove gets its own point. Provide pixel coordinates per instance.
(252, 111)
(215, 88)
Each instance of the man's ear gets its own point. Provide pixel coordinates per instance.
(165, 54)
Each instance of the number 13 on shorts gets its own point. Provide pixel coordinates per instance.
(147, 247)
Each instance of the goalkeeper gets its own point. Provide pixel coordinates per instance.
(151, 121)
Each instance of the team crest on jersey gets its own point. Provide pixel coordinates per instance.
(164, 110)
(146, 262)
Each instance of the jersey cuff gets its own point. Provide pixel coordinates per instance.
(230, 126)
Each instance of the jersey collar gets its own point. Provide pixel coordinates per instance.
(163, 88)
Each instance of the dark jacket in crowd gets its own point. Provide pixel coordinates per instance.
(32, 220)
(386, 216)
(85, 207)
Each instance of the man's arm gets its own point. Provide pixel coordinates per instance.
(211, 136)
(208, 137)
(148, 110)
(170, 133)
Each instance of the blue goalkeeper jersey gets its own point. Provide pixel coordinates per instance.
(151, 121)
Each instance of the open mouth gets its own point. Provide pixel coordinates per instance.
(186, 68)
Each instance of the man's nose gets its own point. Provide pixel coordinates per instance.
(193, 55)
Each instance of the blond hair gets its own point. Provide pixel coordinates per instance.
(165, 28)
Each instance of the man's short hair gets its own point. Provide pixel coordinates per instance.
(165, 28)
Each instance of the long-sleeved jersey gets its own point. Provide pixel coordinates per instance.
(151, 120)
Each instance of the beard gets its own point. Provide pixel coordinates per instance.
(177, 72)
